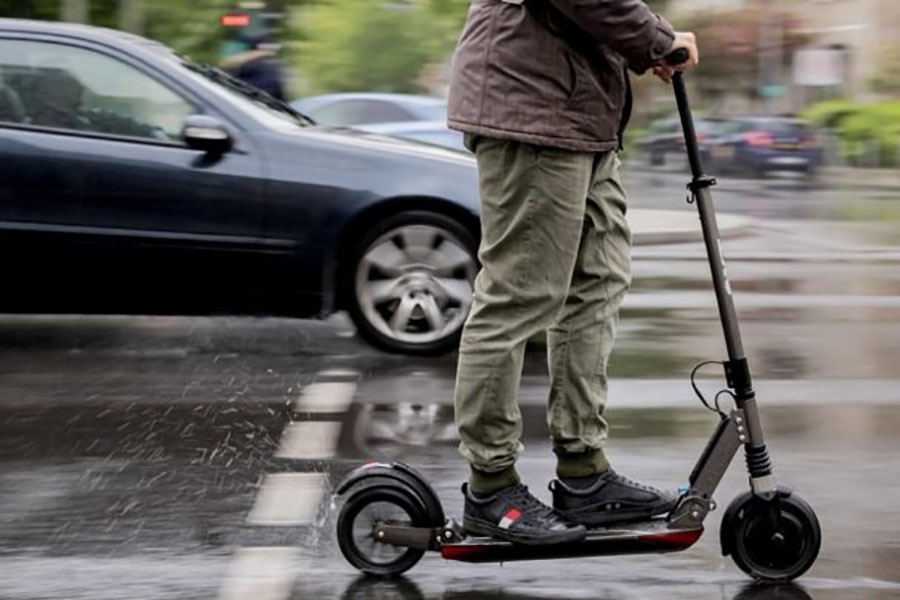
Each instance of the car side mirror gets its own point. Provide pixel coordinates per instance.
(202, 132)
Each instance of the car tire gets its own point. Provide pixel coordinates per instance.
(408, 283)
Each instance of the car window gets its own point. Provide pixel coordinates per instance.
(731, 128)
(61, 86)
(359, 112)
(708, 128)
(785, 127)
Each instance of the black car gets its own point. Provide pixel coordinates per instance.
(135, 181)
(664, 139)
(758, 145)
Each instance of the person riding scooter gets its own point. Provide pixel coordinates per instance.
(540, 89)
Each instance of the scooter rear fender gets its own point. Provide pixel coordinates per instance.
(403, 474)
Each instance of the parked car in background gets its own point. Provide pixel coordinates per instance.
(429, 132)
(755, 146)
(135, 181)
(368, 108)
(663, 142)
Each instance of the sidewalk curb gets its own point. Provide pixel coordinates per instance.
(842, 178)
(656, 393)
(860, 178)
(655, 227)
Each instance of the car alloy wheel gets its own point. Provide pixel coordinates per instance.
(413, 284)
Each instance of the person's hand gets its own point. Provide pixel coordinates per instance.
(683, 39)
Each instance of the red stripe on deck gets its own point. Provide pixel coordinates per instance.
(680, 539)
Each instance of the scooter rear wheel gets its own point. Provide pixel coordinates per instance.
(356, 529)
(773, 541)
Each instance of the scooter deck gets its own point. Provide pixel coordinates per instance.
(653, 536)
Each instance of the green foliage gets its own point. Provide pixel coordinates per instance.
(452, 13)
(869, 133)
(356, 45)
(830, 113)
(30, 9)
(190, 28)
(103, 13)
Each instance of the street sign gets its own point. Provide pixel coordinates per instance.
(819, 66)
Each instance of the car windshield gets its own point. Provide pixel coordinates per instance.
(710, 128)
(247, 95)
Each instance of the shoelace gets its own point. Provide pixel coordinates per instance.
(528, 504)
(616, 478)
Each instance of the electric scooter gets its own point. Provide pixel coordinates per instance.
(391, 516)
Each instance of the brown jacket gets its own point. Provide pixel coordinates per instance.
(526, 72)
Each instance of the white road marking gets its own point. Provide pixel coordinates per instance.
(260, 574)
(291, 498)
(331, 397)
(288, 499)
(338, 374)
(309, 439)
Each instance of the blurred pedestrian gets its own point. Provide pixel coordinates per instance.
(540, 89)
(258, 65)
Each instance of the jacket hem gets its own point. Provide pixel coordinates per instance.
(564, 143)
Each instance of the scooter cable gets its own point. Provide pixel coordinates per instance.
(697, 391)
(720, 411)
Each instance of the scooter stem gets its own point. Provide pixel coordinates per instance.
(687, 125)
(737, 370)
(700, 188)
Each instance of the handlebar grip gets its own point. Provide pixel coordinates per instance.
(676, 57)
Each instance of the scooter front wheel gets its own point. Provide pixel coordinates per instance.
(357, 523)
(773, 541)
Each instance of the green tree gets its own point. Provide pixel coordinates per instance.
(360, 45)
(30, 9)
(190, 28)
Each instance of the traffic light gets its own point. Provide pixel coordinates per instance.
(235, 20)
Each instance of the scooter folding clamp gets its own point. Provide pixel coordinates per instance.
(690, 511)
(704, 181)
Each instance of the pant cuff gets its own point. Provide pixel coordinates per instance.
(582, 464)
(483, 482)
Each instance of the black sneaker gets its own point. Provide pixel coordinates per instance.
(514, 515)
(611, 499)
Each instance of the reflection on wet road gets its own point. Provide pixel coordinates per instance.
(153, 490)
(163, 458)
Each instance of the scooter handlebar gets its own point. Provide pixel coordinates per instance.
(676, 57)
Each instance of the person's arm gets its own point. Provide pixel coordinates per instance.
(627, 26)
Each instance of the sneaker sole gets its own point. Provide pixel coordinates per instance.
(477, 527)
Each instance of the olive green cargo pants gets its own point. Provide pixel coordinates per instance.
(555, 256)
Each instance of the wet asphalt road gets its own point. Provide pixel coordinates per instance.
(193, 457)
